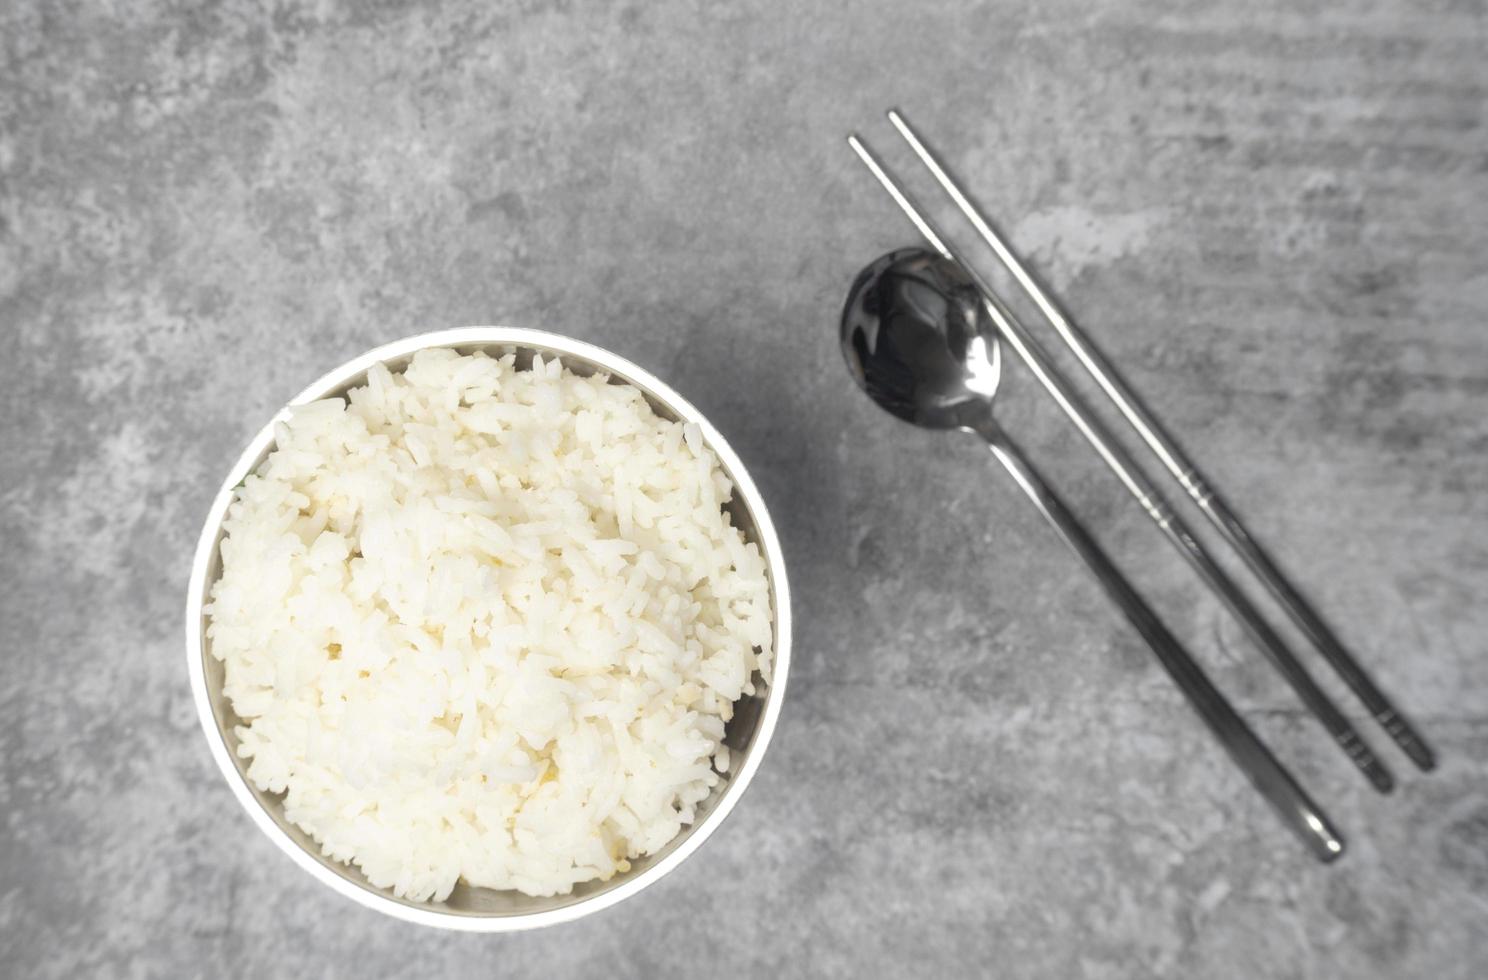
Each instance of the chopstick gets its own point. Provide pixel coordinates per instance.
(1183, 469)
(1171, 524)
(1270, 778)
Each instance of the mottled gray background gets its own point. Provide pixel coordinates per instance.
(1276, 219)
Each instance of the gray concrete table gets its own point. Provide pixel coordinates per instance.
(1276, 218)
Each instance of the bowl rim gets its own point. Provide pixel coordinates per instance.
(744, 486)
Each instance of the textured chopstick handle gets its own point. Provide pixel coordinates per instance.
(1308, 621)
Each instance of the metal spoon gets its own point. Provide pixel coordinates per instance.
(918, 340)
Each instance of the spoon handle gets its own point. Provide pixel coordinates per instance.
(1268, 776)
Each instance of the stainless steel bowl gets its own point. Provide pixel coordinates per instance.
(482, 909)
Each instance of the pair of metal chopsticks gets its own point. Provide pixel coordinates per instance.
(1182, 469)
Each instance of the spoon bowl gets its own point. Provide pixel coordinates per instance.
(918, 340)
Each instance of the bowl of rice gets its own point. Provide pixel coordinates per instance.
(488, 629)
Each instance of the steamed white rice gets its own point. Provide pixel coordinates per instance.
(487, 623)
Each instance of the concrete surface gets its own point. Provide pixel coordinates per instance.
(1275, 217)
